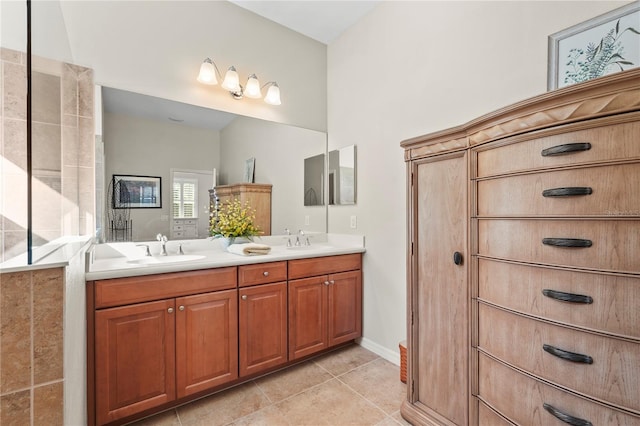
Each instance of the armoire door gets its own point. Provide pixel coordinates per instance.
(440, 344)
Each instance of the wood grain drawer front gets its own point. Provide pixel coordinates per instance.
(521, 398)
(123, 291)
(262, 273)
(302, 268)
(487, 417)
(608, 143)
(614, 244)
(607, 190)
(604, 303)
(611, 374)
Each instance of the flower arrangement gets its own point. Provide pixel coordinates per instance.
(235, 220)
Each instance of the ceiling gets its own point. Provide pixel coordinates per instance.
(323, 21)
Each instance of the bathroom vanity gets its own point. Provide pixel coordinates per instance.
(161, 334)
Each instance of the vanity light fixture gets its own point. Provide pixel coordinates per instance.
(209, 74)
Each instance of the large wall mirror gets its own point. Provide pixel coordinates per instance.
(153, 137)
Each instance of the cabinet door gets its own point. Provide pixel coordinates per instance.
(307, 316)
(135, 359)
(206, 341)
(439, 287)
(262, 327)
(344, 307)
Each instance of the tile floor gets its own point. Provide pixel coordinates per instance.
(350, 386)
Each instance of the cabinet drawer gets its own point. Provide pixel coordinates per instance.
(613, 307)
(608, 143)
(613, 374)
(301, 268)
(487, 417)
(614, 243)
(262, 273)
(179, 222)
(609, 190)
(521, 398)
(122, 291)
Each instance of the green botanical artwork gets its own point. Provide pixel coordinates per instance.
(597, 60)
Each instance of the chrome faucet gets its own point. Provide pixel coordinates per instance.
(163, 241)
(306, 240)
(302, 234)
(286, 230)
(147, 252)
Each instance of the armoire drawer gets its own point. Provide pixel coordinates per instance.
(599, 302)
(521, 399)
(606, 190)
(608, 143)
(487, 417)
(600, 367)
(613, 244)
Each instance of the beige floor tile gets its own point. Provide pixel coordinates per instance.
(331, 403)
(379, 382)
(283, 384)
(398, 418)
(168, 418)
(346, 359)
(269, 416)
(223, 407)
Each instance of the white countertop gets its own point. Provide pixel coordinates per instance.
(117, 260)
(55, 254)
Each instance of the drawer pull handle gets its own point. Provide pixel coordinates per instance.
(566, 149)
(567, 297)
(265, 273)
(566, 355)
(567, 192)
(564, 417)
(566, 242)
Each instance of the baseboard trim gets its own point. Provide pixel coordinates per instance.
(389, 355)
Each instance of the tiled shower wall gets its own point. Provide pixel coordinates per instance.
(63, 151)
(31, 347)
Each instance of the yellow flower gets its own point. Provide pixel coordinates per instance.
(234, 220)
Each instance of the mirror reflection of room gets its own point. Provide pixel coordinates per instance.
(149, 136)
(342, 176)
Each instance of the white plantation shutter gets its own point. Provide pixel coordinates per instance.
(185, 198)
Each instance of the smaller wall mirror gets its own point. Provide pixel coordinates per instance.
(314, 180)
(342, 175)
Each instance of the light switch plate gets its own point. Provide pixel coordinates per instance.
(354, 222)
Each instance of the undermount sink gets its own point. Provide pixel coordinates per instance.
(155, 260)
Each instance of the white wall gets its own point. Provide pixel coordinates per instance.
(156, 48)
(279, 151)
(410, 68)
(138, 146)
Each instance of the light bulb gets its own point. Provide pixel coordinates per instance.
(253, 88)
(231, 81)
(207, 73)
(273, 95)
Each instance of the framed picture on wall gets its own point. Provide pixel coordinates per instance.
(249, 170)
(603, 45)
(136, 192)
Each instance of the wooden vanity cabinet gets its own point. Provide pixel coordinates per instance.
(262, 317)
(325, 303)
(150, 353)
